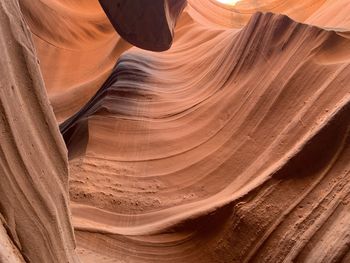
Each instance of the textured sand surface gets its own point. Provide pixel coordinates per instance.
(232, 146)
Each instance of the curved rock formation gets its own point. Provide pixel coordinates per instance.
(34, 214)
(77, 49)
(77, 45)
(145, 25)
(233, 146)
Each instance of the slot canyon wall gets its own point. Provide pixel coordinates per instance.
(231, 146)
(35, 223)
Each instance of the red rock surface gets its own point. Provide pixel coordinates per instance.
(231, 146)
(35, 223)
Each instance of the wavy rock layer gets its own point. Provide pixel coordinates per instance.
(34, 215)
(233, 146)
(77, 48)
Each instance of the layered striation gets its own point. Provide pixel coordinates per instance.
(77, 45)
(233, 146)
(35, 221)
(77, 48)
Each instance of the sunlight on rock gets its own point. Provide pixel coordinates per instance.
(228, 2)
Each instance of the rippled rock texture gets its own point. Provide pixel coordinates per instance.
(231, 146)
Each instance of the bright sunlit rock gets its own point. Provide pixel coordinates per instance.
(228, 2)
